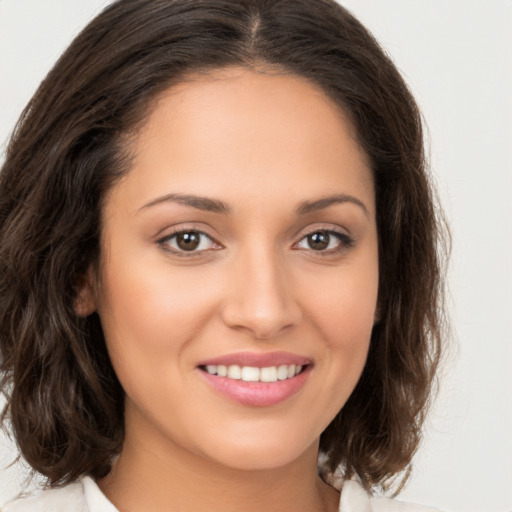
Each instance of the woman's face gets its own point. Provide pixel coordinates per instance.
(242, 242)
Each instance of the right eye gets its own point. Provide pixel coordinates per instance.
(325, 241)
(188, 241)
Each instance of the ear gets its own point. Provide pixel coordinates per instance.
(85, 300)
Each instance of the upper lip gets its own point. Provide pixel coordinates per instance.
(258, 360)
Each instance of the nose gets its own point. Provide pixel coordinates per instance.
(262, 298)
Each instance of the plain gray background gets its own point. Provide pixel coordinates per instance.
(457, 57)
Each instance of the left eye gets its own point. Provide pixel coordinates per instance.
(188, 241)
(324, 240)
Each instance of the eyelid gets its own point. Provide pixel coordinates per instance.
(176, 230)
(322, 226)
(346, 240)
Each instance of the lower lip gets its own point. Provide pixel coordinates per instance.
(257, 394)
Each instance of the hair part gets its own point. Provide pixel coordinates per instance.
(64, 401)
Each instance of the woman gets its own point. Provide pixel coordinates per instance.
(220, 273)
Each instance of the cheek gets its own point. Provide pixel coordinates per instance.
(346, 334)
(343, 312)
(149, 300)
(149, 316)
(345, 304)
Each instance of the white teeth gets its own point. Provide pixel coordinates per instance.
(250, 374)
(253, 374)
(234, 372)
(282, 372)
(268, 374)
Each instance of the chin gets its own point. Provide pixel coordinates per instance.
(263, 453)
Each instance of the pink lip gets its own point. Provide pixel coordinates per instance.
(257, 394)
(258, 360)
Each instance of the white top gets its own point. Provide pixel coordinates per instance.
(85, 496)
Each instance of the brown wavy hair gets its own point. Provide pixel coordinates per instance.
(64, 402)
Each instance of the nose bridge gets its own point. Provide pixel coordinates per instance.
(261, 299)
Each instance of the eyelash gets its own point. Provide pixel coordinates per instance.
(345, 242)
(164, 243)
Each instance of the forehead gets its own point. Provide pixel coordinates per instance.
(230, 131)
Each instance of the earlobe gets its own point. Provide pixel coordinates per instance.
(85, 299)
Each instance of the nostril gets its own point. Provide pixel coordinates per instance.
(261, 324)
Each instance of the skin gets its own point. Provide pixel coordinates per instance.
(263, 144)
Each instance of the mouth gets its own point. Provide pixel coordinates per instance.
(253, 373)
(257, 380)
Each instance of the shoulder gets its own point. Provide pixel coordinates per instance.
(82, 496)
(69, 498)
(355, 499)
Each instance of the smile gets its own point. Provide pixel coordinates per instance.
(256, 379)
(255, 374)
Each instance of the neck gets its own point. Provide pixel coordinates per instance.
(153, 474)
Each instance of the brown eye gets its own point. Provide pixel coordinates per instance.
(326, 241)
(188, 241)
(319, 241)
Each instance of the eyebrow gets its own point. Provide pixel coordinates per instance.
(201, 203)
(217, 206)
(312, 206)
